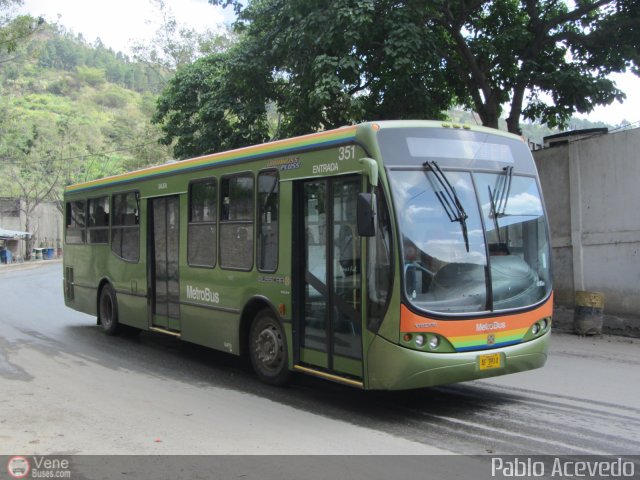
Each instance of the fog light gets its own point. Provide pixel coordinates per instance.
(419, 340)
(434, 342)
(536, 329)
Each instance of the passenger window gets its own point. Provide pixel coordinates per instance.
(76, 222)
(236, 222)
(202, 232)
(99, 220)
(125, 228)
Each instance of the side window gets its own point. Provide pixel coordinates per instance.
(202, 234)
(125, 227)
(236, 222)
(99, 220)
(76, 221)
(379, 263)
(268, 203)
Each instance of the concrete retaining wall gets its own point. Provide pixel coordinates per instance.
(592, 193)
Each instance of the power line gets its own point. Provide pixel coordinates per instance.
(624, 127)
(42, 161)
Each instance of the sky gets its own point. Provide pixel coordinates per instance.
(120, 23)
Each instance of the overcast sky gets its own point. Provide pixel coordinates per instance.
(120, 22)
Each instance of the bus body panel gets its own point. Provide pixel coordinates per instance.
(393, 367)
(215, 319)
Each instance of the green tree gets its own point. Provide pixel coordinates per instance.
(317, 65)
(330, 62)
(206, 108)
(14, 30)
(546, 59)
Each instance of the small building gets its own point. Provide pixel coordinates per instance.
(45, 228)
(12, 245)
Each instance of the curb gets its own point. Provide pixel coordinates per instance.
(28, 265)
(612, 324)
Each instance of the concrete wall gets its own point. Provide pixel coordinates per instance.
(592, 194)
(46, 225)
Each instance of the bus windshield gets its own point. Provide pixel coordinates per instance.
(489, 253)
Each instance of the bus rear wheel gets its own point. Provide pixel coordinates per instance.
(108, 310)
(268, 349)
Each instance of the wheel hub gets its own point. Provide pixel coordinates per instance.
(268, 347)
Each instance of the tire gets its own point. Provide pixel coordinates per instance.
(268, 349)
(108, 310)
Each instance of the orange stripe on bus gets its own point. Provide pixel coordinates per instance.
(410, 322)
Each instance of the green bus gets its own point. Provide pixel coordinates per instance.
(387, 255)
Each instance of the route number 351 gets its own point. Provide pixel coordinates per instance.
(347, 153)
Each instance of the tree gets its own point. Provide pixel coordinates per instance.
(209, 106)
(331, 62)
(32, 182)
(174, 46)
(14, 30)
(545, 59)
(317, 65)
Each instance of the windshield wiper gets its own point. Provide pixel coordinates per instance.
(501, 193)
(492, 213)
(448, 199)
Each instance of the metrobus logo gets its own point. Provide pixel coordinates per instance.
(483, 327)
(202, 294)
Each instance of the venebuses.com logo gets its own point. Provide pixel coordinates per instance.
(38, 467)
(18, 467)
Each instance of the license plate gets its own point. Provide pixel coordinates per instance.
(490, 361)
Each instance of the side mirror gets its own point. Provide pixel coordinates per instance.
(366, 213)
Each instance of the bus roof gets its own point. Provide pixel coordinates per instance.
(277, 148)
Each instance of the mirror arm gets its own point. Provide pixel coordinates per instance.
(370, 167)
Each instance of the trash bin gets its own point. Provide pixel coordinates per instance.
(588, 317)
(50, 254)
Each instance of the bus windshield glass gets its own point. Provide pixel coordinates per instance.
(474, 241)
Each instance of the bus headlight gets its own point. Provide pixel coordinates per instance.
(544, 324)
(434, 342)
(535, 329)
(420, 340)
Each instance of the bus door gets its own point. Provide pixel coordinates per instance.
(328, 322)
(164, 281)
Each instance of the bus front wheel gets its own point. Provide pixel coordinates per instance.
(108, 310)
(268, 349)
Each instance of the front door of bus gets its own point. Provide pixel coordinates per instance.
(164, 219)
(329, 320)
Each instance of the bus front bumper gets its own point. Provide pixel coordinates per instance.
(392, 367)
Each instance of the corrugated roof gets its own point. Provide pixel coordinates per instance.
(12, 234)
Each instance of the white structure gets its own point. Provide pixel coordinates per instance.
(591, 185)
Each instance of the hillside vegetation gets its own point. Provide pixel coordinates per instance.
(72, 112)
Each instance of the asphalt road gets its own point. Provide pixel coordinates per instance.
(66, 388)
